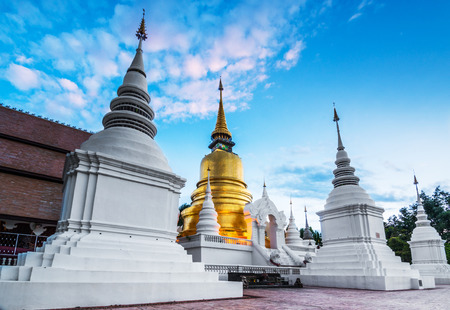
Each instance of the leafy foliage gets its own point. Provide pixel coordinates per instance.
(180, 218)
(399, 228)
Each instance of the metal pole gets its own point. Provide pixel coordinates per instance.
(15, 246)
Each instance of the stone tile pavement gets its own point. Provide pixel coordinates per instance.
(311, 298)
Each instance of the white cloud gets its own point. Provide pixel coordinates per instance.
(92, 84)
(194, 67)
(291, 56)
(355, 16)
(76, 99)
(24, 60)
(68, 85)
(21, 77)
(361, 7)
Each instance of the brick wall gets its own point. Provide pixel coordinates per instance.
(28, 197)
(28, 127)
(32, 156)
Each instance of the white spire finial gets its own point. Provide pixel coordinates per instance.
(292, 215)
(264, 190)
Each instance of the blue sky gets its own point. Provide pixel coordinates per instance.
(386, 64)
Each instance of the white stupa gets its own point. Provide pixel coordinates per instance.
(116, 237)
(354, 252)
(207, 221)
(292, 233)
(427, 247)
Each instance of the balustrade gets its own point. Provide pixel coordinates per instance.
(12, 244)
(224, 269)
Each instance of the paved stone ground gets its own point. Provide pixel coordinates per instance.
(316, 298)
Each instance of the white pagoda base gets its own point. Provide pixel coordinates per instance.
(440, 272)
(115, 244)
(371, 266)
(114, 272)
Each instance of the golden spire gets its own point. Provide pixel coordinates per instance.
(221, 130)
(140, 33)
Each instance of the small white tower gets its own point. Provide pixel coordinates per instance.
(292, 234)
(427, 247)
(207, 222)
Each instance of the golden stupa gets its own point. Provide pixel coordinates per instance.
(229, 191)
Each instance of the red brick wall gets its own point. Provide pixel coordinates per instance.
(31, 158)
(36, 129)
(27, 197)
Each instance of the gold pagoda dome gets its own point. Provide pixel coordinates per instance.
(229, 191)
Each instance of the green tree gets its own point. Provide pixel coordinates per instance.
(180, 218)
(401, 248)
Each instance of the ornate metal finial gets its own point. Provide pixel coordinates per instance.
(220, 85)
(140, 33)
(417, 188)
(336, 119)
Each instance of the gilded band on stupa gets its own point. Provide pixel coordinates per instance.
(229, 191)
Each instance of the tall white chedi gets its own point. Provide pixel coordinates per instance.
(354, 252)
(116, 237)
(427, 247)
(207, 220)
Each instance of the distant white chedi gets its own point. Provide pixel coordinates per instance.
(116, 238)
(354, 252)
(427, 247)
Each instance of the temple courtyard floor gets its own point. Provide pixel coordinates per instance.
(315, 298)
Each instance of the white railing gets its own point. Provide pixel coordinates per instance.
(11, 244)
(225, 269)
(227, 240)
(216, 239)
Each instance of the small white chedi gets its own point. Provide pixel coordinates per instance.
(427, 247)
(207, 221)
(354, 252)
(116, 237)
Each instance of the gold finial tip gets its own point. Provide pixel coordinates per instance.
(305, 208)
(220, 83)
(415, 180)
(141, 33)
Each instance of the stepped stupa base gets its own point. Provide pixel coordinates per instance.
(362, 265)
(440, 272)
(376, 283)
(87, 273)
